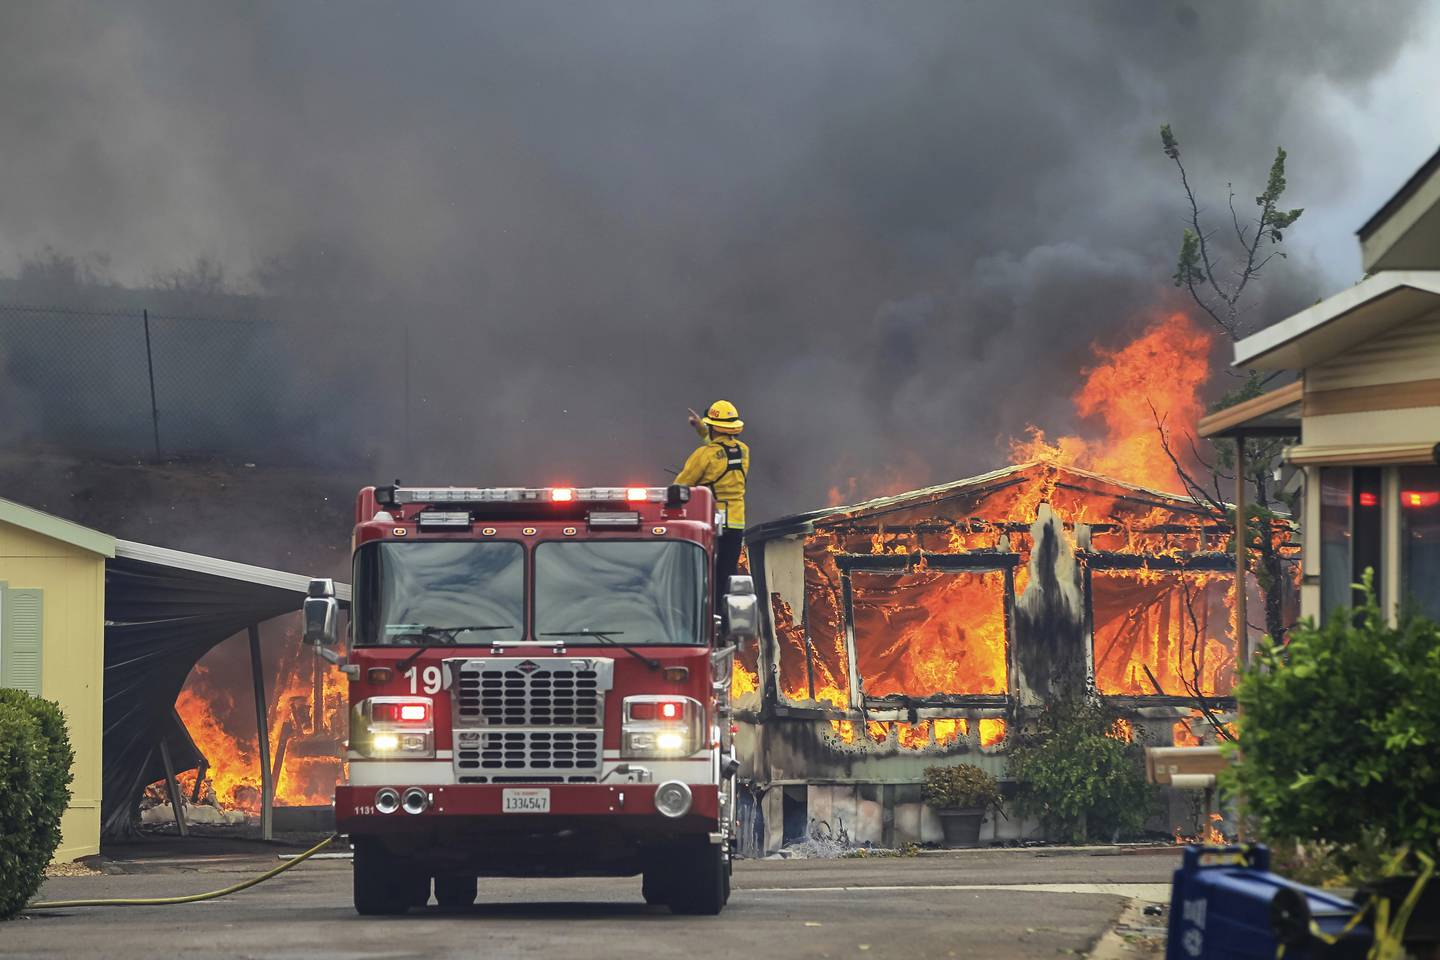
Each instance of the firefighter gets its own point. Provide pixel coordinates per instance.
(721, 463)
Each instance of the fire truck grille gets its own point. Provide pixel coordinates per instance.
(524, 720)
(497, 696)
(558, 754)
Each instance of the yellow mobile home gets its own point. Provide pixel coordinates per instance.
(52, 642)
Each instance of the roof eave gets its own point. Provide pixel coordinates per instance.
(57, 528)
(1258, 415)
(1291, 344)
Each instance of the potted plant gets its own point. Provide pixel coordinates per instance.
(960, 794)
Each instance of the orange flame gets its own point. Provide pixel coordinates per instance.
(927, 632)
(992, 732)
(223, 730)
(922, 629)
(1210, 836)
(1165, 369)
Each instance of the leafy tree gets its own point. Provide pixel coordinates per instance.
(1340, 732)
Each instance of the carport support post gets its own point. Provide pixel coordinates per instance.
(1242, 627)
(262, 736)
(177, 802)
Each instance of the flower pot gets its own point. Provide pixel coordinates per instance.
(961, 825)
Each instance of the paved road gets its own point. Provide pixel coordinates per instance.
(963, 905)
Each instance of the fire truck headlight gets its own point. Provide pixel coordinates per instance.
(397, 728)
(673, 798)
(661, 726)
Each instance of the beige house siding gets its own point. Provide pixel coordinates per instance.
(1414, 425)
(1407, 353)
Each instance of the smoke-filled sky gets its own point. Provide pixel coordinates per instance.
(888, 232)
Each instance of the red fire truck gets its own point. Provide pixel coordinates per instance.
(538, 687)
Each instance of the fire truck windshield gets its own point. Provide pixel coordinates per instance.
(646, 592)
(439, 592)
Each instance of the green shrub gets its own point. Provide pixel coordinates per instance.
(959, 785)
(1077, 777)
(35, 761)
(1340, 737)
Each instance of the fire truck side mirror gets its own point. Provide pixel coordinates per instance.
(742, 610)
(320, 612)
(743, 614)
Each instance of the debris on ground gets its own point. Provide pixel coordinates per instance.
(70, 870)
(1137, 934)
(824, 848)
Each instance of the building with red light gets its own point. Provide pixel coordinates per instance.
(1366, 406)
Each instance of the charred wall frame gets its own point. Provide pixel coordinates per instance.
(792, 743)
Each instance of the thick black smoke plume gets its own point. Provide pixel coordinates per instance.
(889, 232)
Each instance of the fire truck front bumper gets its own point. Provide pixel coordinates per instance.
(666, 808)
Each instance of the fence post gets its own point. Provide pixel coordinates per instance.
(150, 365)
(405, 431)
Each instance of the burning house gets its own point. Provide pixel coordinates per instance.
(923, 627)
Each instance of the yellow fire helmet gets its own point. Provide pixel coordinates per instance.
(723, 417)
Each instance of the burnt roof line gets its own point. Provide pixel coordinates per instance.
(798, 523)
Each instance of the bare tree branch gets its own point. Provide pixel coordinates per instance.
(1192, 487)
(1234, 217)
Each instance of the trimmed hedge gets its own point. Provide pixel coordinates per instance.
(35, 761)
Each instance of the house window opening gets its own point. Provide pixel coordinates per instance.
(1420, 540)
(929, 632)
(1174, 626)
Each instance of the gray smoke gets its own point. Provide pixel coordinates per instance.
(888, 232)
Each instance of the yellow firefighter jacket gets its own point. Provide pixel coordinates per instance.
(720, 463)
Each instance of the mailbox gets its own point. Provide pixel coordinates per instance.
(1185, 768)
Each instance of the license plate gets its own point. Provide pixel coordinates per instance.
(525, 801)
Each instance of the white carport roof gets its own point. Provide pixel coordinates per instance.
(215, 567)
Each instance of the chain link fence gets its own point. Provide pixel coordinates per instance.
(139, 384)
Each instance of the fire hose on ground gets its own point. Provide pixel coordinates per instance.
(192, 898)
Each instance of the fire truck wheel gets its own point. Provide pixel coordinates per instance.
(379, 886)
(699, 887)
(416, 886)
(655, 885)
(455, 891)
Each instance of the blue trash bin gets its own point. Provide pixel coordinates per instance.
(1225, 903)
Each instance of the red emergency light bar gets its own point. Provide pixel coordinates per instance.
(673, 495)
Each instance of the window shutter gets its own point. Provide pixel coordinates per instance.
(22, 639)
